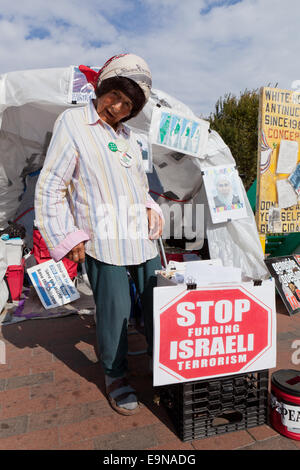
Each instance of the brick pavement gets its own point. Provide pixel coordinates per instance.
(52, 393)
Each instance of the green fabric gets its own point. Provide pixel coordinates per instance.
(111, 289)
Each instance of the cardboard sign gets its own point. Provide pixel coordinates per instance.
(278, 157)
(53, 284)
(286, 272)
(213, 331)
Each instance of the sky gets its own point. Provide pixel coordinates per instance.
(197, 50)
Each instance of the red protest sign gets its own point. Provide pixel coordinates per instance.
(211, 332)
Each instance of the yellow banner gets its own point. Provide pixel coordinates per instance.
(279, 121)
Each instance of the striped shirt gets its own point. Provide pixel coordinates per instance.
(85, 193)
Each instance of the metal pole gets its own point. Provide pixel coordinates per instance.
(162, 249)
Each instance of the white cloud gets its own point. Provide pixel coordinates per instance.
(196, 58)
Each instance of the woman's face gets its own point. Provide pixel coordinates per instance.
(114, 106)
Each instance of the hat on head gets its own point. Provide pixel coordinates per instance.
(124, 65)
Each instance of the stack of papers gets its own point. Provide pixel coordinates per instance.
(212, 273)
(203, 272)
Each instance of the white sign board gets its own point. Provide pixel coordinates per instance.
(213, 331)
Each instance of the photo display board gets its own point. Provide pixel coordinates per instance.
(286, 272)
(172, 129)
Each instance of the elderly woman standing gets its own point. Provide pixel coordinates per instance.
(92, 203)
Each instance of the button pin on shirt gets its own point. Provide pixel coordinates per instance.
(126, 159)
(119, 146)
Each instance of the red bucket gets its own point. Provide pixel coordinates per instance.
(285, 403)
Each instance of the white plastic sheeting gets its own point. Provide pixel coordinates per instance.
(236, 242)
(30, 102)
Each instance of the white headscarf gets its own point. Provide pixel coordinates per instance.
(123, 65)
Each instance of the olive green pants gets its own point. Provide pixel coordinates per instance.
(111, 289)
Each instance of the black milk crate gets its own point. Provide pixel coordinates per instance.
(216, 406)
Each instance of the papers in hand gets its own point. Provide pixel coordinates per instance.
(53, 284)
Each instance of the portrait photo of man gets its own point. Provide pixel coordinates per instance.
(225, 197)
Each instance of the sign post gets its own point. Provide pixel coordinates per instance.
(213, 331)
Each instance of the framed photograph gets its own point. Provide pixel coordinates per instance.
(224, 193)
(175, 131)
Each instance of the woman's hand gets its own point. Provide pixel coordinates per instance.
(155, 224)
(77, 254)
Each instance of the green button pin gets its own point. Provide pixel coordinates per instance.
(112, 146)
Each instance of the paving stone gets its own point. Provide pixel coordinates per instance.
(11, 426)
(87, 444)
(83, 393)
(227, 441)
(261, 433)
(102, 425)
(166, 433)
(15, 370)
(22, 405)
(133, 439)
(36, 368)
(94, 409)
(20, 360)
(39, 440)
(287, 336)
(297, 443)
(28, 380)
(275, 443)
(54, 418)
(66, 383)
(2, 384)
(48, 390)
(89, 428)
(41, 356)
(12, 397)
(173, 445)
(33, 406)
(4, 371)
